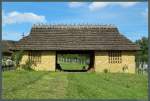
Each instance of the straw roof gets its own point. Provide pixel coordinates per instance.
(75, 37)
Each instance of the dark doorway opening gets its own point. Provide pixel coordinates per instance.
(75, 61)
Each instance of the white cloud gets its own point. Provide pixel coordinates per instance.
(76, 4)
(99, 5)
(18, 17)
(126, 4)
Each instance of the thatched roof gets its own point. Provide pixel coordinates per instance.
(75, 37)
(7, 45)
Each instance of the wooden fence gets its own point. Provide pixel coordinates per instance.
(72, 60)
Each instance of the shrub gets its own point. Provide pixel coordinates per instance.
(3, 62)
(16, 57)
(105, 70)
(124, 68)
(28, 65)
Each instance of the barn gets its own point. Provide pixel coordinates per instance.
(108, 48)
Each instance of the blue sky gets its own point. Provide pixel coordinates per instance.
(130, 17)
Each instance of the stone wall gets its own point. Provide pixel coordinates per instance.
(48, 61)
(101, 62)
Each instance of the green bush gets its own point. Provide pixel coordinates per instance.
(3, 62)
(16, 57)
(28, 65)
(124, 68)
(105, 70)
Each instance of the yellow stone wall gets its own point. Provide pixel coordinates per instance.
(48, 61)
(101, 62)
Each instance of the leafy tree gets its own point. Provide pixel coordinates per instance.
(17, 56)
(142, 55)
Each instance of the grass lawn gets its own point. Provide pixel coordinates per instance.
(71, 66)
(64, 85)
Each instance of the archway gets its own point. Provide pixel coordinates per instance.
(75, 61)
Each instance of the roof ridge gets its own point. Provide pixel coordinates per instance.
(41, 25)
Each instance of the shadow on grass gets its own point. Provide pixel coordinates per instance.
(74, 70)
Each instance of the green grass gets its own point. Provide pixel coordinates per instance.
(71, 66)
(62, 85)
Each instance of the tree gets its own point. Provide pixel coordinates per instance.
(17, 56)
(142, 55)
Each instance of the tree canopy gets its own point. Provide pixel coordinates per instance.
(142, 55)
